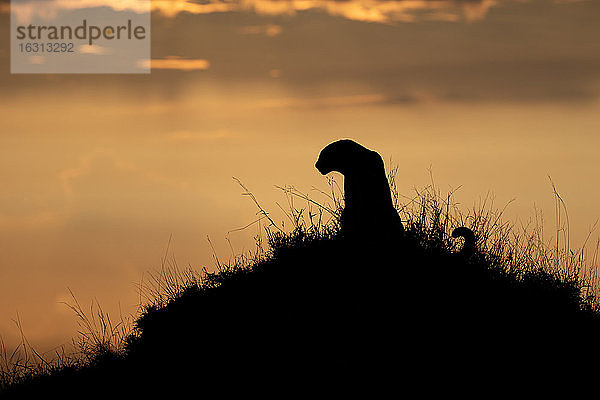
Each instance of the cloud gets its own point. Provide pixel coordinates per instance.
(324, 102)
(380, 11)
(377, 11)
(37, 60)
(269, 30)
(408, 11)
(171, 8)
(176, 63)
(26, 10)
(94, 49)
(547, 55)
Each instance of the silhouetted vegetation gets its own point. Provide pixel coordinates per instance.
(308, 313)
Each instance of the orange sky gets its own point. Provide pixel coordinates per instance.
(98, 171)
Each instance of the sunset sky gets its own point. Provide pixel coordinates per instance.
(98, 171)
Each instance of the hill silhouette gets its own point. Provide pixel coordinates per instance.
(318, 314)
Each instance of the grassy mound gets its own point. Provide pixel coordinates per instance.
(315, 313)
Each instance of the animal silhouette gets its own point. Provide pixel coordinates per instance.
(467, 234)
(369, 214)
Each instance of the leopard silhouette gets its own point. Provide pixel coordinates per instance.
(369, 213)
